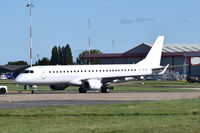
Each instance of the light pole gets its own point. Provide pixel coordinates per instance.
(30, 5)
(89, 38)
(113, 43)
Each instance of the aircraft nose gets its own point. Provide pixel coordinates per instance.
(19, 79)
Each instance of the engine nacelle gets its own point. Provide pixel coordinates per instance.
(3, 89)
(58, 87)
(92, 84)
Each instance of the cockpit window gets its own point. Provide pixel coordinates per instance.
(25, 71)
(28, 71)
(31, 71)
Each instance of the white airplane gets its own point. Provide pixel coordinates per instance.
(92, 77)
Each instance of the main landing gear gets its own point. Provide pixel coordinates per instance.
(82, 90)
(104, 89)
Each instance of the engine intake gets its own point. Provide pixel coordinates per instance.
(92, 84)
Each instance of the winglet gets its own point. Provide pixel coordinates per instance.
(164, 70)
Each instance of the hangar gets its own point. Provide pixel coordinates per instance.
(184, 57)
(15, 69)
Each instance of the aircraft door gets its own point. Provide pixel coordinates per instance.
(43, 74)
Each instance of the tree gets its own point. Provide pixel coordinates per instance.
(64, 56)
(18, 63)
(44, 61)
(69, 57)
(60, 56)
(81, 60)
(54, 56)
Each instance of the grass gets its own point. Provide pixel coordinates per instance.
(178, 116)
(135, 86)
(157, 86)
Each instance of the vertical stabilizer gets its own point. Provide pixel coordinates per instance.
(153, 58)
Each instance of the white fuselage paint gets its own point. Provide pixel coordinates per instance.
(75, 74)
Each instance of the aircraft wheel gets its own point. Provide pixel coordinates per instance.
(82, 90)
(33, 91)
(3, 90)
(105, 90)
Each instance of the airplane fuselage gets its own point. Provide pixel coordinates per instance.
(75, 74)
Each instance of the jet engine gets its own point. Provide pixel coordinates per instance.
(58, 87)
(92, 84)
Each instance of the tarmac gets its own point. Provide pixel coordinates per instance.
(10, 101)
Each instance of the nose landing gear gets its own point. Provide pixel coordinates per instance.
(33, 88)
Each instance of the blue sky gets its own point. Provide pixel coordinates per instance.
(127, 22)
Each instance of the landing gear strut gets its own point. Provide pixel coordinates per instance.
(33, 88)
(33, 91)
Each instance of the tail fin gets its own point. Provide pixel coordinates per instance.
(153, 58)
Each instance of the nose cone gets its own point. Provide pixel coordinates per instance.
(19, 79)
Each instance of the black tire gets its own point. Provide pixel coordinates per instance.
(33, 91)
(105, 90)
(82, 90)
(3, 91)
